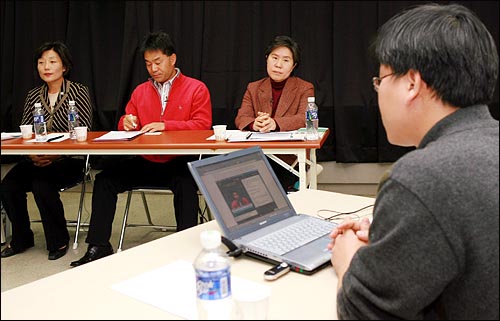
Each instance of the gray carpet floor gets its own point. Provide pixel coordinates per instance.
(33, 264)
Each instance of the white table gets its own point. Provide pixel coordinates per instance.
(85, 292)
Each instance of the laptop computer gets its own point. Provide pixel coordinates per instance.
(251, 207)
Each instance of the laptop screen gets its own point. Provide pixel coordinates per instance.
(242, 191)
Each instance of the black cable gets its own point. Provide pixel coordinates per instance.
(340, 215)
(234, 251)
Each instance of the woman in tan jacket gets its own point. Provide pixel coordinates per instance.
(277, 102)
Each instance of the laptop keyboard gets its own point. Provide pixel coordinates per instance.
(293, 236)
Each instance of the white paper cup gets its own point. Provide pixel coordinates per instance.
(252, 303)
(26, 131)
(81, 133)
(220, 132)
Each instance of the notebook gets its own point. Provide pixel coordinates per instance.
(251, 207)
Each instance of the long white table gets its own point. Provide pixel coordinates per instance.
(187, 142)
(85, 292)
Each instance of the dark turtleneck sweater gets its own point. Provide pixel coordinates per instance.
(277, 89)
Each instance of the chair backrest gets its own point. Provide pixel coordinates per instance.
(203, 213)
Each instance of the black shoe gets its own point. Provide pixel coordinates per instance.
(54, 255)
(93, 253)
(10, 251)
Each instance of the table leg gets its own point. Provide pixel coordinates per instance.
(313, 184)
(302, 169)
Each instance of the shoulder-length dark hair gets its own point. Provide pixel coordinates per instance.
(61, 49)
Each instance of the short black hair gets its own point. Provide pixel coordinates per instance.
(158, 41)
(288, 42)
(61, 49)
(450, 47)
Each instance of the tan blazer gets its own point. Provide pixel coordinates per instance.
(290, 112)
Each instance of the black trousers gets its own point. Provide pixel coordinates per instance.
(135, 173)
(44, 183)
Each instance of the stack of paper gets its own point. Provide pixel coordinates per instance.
(118, 135)
(246, 136)
(267, 137)
(11, 135)
(52, 138)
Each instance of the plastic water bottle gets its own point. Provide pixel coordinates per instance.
(73, 119)
(311, 119)
(40, 124)
(213, 279)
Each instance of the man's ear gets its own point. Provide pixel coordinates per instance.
(173, 59)
(415, 83)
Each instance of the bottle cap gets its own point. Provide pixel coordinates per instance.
(310, 99)
(71, 102)
(210, 239)
(38, 104)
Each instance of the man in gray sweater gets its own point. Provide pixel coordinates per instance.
(432, 248)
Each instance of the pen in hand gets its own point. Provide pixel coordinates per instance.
(132, 121)
(54, 138)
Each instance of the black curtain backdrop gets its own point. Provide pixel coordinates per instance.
(221, 43)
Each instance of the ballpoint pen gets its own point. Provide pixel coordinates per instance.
(54, 138)
(248, 135)
(133, 122)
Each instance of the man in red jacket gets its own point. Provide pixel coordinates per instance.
(169, 100)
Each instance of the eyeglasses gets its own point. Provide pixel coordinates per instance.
(377, 80)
